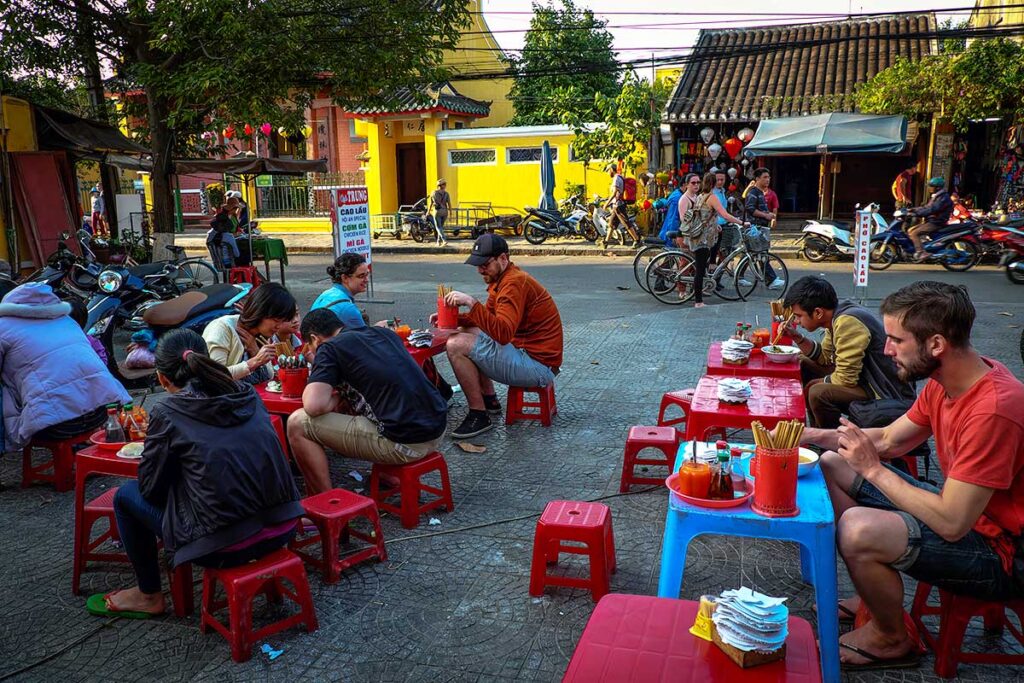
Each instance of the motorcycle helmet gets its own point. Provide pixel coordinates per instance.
(937, 181)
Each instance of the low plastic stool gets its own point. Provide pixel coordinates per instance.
(665, 439)
(681, 399)
(62, 462)
(332, 512)
(576, 522)
(516, 404)
(409, 486)
(98, 509)
(242, 584)
(955, 613)
(242, 274)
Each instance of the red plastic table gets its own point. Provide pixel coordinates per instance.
(639, 638)
(425, 353)
(758, 366)
(276, 403)
(774, 399)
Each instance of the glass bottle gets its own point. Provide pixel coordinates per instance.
(738, 334)
(721, 479)
(739, 482)
(113, 431)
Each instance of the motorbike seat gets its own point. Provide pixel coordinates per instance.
(175, 249)
(189, 304)
(549, 213)
(146, 269)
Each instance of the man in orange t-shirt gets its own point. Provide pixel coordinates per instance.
(515, 338)
(961, 538)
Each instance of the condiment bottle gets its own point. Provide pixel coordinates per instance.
(125, 412)
(694, 477)
(720, 487)
(113, 431)
(739, 482)
(131, 428)
(738, 334)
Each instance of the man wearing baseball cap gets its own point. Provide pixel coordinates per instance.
(514, 338)
(936, 214)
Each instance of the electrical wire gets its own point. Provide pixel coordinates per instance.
(53, 655)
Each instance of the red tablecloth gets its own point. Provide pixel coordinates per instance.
(638, 638)
(758, 366)
(773, 399)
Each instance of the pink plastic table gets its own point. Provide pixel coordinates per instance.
(774, 399)
(638, 638)
(758, 366)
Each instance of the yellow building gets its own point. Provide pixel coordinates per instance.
(18, 131)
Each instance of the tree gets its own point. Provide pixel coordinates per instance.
(627, 120)
(984, 80)
(204, 64)
(566, 51)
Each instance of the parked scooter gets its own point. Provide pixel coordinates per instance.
(954, 247)
(112, 322)
(418, 222)
(601, 218)
(823, 238)
(544, 223)
(1012, 258)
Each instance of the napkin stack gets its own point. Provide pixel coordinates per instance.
(733, 390)
(421, 338)
(736, 351)
(750, 621)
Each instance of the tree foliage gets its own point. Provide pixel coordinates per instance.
(986, 79)
(567, 52)
(628, 119)
(202, 64)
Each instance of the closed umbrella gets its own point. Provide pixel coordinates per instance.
(547, 179)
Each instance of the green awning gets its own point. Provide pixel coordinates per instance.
(829, 134)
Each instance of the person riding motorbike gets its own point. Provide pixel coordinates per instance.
(936, 214)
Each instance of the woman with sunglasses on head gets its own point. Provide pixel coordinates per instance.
(698, 229)
(213, 482)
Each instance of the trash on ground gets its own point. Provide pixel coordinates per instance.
(355, 475)
(471, 447)
(434, 521)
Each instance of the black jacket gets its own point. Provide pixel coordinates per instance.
(215, 466)
(938, 209)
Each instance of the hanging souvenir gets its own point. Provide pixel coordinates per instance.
(732, 172)
(714, 150)
(745, 162)
(733, 147)
(707, 135)
(307, 130)
(745, 135)
(229, 132)
(266, 129)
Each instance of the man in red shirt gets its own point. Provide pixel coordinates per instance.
(515, 338)
(961, 538)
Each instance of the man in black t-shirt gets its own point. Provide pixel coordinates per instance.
(392, 413)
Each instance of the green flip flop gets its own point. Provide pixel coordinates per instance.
(97, 604)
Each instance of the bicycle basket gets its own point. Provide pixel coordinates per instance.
(755, 241)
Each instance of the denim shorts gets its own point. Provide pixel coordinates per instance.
(969, 566)
(509, 365)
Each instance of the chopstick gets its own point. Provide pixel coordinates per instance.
(787, 434)
(443, 291)
(782, 330)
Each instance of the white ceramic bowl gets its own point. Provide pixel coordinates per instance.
(780, 354)
(805, 468)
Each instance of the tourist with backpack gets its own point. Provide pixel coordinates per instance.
(617, 203)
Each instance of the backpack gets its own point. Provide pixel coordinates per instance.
(629, 190)
(691, 225)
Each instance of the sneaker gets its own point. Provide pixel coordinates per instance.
(778, 283)
(492, 405)
(475, 423)
(744, 282)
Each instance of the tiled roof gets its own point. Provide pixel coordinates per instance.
(757, 73)
(442, 98)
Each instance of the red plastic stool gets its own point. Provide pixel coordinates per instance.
(332, 512)
(682, 399)
(955, 612)
(665, 439)
(101, 508)
(62, 462)
(577, 522)
(245, 274)
(409, 487)
(242, 585)
(516, 404)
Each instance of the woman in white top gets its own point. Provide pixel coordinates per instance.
(245, 343)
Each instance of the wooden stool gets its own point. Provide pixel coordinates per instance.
(332, 512)
(516, 404)
(409, 487)
(62, 462)
(665, 439)
(578, 522)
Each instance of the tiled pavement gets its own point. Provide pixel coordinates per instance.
(451, 603)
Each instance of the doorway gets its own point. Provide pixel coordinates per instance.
(412, 173)
(795, 181)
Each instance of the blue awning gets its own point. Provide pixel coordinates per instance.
(834, 133)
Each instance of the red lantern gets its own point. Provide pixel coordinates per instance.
(266, 129)
(732, 188)
(733, 147)
(248, 129)
(647, 205)
(229, 132)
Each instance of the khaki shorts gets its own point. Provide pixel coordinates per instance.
(354, 436)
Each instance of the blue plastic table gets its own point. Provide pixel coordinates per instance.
(814, 529)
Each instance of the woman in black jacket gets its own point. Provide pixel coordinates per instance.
(213, 482)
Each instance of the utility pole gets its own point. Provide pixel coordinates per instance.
(655, 141)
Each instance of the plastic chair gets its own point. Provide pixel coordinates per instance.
(516, 404)
(814, 529)
(576, 522)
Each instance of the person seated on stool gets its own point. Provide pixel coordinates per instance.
(350, 275)
(397, 415)
(53, 386)
(246, 343)
(515, 338)
(849, 364)
(961, 537)
(213, 482)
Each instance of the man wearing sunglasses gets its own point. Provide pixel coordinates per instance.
(513, 338)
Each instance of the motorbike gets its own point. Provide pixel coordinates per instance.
(418, 223)
(544, 223)
(602, 219)
(954, 247)
(1012, 258)
(112, 320)
(823, 239)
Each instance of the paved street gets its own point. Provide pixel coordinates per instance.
(451, 604)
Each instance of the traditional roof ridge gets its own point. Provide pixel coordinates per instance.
(433, 98)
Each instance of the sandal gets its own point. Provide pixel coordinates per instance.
(100, 605)
(911, 660)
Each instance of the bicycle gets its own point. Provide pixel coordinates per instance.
(643, 259)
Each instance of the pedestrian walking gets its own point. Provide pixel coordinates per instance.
(756, 207)
(440, 204)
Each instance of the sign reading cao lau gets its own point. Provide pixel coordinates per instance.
(350, 221)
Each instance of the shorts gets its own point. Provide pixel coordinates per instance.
(969, 566)
(509, 365)
(354, 436)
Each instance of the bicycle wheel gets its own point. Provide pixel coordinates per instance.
(643, 259)
(670, 277)
(750, 277)
(193, 274)
(725, 276)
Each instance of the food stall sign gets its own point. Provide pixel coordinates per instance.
(350, 222)
(862, 244)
